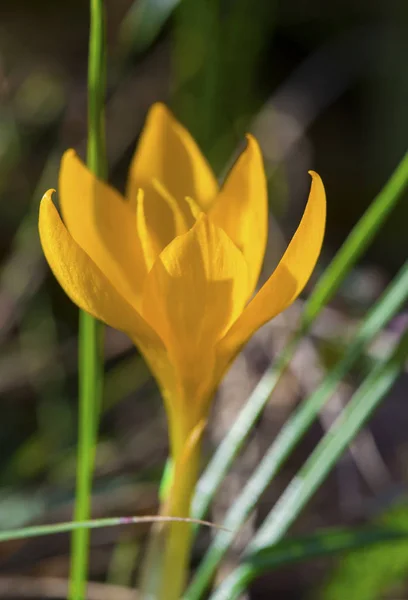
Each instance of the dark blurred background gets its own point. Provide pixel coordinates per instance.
(323, 86)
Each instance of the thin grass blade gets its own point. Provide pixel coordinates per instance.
(293, 430)
(144, 22)
(90, 331)
(41, 530)
(318, 466)
(323, 544)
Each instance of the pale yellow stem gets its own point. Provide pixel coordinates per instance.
(179, 535)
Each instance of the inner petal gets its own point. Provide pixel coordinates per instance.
(167, 151)
(196, 288)
(160, 218)
(158, 221)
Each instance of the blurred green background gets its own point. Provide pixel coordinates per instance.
(323, 86)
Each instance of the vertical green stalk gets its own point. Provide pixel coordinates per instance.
(90, 330)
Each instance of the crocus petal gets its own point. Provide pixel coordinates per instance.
(83, 281)
(195, 290)
(241, 208)
(167, 152)
(102, 223)
(159, 220)
(289, 277)
(195, 210)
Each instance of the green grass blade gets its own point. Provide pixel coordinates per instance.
(90, 331)
(372, 572)
(322, 544)
(352, 249)
(293, 430)
(237, 435)
(318, 465)
(144, 22)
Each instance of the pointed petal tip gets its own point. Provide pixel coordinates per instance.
(48, 195)
(316, 178)
(69, 161)
(70, 152)
(161, 113)
(69, 155)
(48, 212)
(251, 139)
(317, 189)
(253, 151)
(160, 110)
(158, 106)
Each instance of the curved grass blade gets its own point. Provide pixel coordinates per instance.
(293, 430)
(318, 466)
(356, 243)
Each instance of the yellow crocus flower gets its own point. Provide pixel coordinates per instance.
(175, 264)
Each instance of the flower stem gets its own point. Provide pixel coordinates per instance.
(164, 569)
(179, 536)
(90, 330)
